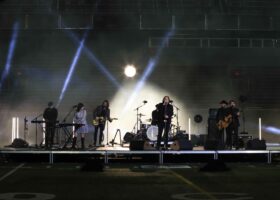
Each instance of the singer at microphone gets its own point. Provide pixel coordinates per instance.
(165, 113)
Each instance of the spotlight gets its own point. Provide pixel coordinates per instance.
(130, 71)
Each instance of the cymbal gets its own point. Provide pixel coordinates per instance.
(140, 114)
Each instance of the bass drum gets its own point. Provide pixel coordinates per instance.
(152, 133)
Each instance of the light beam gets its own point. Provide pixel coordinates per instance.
(148, 70)
(94, 59)
(71, 70)
(272, 129)
(12, 46)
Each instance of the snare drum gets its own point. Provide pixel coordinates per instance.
(152, 133)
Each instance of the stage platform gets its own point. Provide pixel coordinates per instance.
(123, 154)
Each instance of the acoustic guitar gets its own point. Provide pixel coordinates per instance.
(225, 122)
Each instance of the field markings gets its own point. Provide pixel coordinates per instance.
(12, 171)
(193, 185)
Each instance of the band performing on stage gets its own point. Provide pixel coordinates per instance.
(159, 132)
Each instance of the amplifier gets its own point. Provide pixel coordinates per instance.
(243, 140)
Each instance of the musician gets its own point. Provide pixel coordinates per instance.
(232, 129)
(155, 117)
(100, 115)
(165, 112)
(80, 118)
(221, 114)
(50, 116)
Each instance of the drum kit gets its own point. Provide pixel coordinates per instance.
(147, 130)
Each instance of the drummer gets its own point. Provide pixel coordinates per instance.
(155, 117)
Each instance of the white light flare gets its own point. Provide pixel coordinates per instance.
(130, 71)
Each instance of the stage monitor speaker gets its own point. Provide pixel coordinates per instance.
(256, 144)
(19, 143)
(212, 144)
(243, 140)
(181, 144)
(181, 135)
(128, 137)
(138, 145)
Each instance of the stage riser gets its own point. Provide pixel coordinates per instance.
(155, 157)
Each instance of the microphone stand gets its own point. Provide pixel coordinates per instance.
(36, 129)
(243, 120)
(137, 116)
(177, 117)
(68, 114)
(107, 133)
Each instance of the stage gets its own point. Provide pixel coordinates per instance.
(117, 154)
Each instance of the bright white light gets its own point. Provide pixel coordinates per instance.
(190, 129)
(130, 71)
(260, 128)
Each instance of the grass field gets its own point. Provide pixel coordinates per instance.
(135, 181)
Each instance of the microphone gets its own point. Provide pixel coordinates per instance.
(171, 101)
(145, 101)
(75, 106)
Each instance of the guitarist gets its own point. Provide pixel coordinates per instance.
(100, 115)
(232, 129)
(222, 113)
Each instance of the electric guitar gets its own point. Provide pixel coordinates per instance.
(100, 120)
(225, 122)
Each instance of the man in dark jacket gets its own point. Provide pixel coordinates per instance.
(50, 115)
(232, 129)
(100, 115)
(165, 113)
